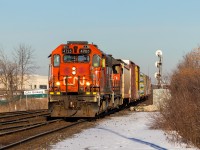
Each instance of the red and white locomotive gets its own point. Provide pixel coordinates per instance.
(84, 81)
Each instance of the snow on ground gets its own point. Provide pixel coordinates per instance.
(129, 132)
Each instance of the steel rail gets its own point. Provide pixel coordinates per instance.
(19, 126)
(21, 112)
(16, 113)
(11, 113)
(25, 117)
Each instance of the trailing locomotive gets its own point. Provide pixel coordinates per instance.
(84, 81)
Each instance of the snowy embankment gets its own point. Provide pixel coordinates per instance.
(130, 132)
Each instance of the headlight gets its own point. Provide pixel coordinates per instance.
(73, 68)
(58, 83)
(73, 72)
(88, 83)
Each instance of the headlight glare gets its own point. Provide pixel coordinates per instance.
(73, 72)
(58, 83)
(88, 83)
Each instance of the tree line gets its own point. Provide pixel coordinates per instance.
(15, 70)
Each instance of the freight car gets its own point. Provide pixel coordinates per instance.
(84, 81)
(145, 86)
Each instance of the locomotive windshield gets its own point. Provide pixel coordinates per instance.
(56, 60)
(83, 58)
(96, 61)
(76, 58)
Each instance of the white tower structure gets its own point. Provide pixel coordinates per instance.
(158, 64)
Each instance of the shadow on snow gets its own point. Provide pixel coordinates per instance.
(136, 140)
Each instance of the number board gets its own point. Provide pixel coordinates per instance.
(84, 51)
(67, 51)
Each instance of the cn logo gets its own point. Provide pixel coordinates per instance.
(73, 80)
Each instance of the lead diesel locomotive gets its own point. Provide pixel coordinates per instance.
(84, 81)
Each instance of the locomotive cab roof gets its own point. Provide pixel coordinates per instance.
(78, 42)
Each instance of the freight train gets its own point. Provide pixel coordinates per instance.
(85, 82)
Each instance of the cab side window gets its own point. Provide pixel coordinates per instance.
(116, 69)
(56, 60)
(96, 61)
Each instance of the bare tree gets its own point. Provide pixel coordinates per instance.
(8, 74)
(13, 73)
(24, 57)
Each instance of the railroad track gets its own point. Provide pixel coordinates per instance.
(14, 136)
(23, 127)
(15, 113)
(17, 117)
(11, 139)
(22, 115)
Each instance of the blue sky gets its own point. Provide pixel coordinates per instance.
(127, 29)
